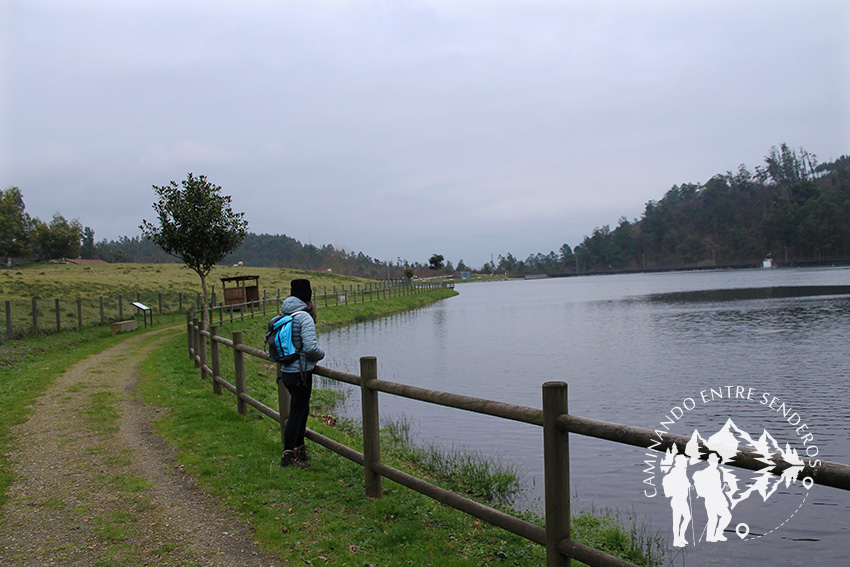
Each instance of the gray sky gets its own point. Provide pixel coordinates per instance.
(406, 128)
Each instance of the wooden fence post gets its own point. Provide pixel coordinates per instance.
(239, 368)
(189, 334)
(202, 343)
(371, 426)
(102, 318)
(196, 342)
(556, 468)
(58, 318)
(216, 360)
(79, 313)
(120, 307)
(9, 318)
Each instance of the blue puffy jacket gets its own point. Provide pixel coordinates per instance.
(303, 336)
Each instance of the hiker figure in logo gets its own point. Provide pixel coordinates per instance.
(677, 488)
(712, 488)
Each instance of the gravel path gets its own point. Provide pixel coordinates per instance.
(97, 487)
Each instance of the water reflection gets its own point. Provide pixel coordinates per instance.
(749, 293)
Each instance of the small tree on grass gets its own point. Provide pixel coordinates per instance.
(196, 225)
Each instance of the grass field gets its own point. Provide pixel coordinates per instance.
(104, 292)
(67, 281)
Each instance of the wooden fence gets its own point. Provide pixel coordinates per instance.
(554, 418)
(325, 296)
(33, 316)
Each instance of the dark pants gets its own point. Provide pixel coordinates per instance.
(300, 389)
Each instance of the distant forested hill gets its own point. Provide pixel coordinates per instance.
(265, 250)
(792, 210)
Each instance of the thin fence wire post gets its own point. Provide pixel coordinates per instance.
(239, 369)
(556, 468)
(371, 426)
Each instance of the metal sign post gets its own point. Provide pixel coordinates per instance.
(145, 310)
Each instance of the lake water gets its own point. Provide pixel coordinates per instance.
(632, 348)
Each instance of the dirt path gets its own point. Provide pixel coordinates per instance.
(97, 487)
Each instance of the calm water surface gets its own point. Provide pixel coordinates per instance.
(632, 348)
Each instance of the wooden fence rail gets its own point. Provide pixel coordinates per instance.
(554, 418)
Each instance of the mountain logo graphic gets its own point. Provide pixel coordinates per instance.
(697, 483)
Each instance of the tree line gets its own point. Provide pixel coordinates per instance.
(24, 236)
(791, 209)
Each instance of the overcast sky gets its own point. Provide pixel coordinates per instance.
(411, 127)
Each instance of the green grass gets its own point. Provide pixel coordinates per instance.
(317, 516)
(476, 475)
(607, 531)
(102, 414)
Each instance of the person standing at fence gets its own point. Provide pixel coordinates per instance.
(297, 377)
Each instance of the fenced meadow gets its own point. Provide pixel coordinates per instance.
(61, 314)
(39, 315)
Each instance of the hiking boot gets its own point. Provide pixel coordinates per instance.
(301, 453)
(290, 458)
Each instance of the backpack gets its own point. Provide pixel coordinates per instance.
(279, 339)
